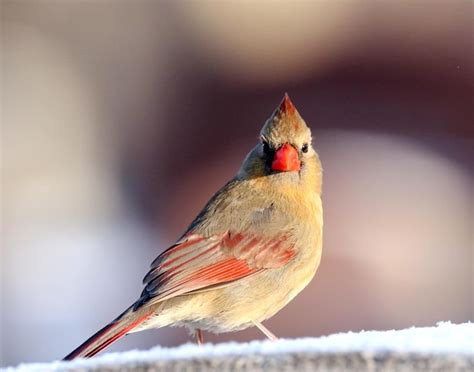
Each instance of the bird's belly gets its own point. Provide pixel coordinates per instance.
(252, 299)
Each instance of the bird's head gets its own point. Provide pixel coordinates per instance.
(284, 147)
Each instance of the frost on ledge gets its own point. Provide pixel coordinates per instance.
(444, 347)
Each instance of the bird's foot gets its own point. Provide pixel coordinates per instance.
(199, 337)
(266, 331)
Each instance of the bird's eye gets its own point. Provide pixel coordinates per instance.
(305, 148)
(266, 147)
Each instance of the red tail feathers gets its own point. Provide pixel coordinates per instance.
(107, 335)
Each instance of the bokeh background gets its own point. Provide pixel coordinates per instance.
(120, 120)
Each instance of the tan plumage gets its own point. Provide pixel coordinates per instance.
(253, 248)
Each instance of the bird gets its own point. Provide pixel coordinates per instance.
(254, 246)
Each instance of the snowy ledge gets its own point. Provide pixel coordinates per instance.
(447, 347)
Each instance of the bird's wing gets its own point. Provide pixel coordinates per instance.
(197, 262)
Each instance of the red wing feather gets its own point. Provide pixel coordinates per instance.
(195, 263)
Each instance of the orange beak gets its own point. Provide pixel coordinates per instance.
(286, 159)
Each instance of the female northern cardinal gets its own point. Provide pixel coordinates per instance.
(255, 245)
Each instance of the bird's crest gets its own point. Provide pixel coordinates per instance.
(285, 124)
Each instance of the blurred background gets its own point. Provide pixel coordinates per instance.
(121, 119)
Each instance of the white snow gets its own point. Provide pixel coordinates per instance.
(445, 338)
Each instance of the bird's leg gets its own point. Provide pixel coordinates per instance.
(199, 337)
(265, 331)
